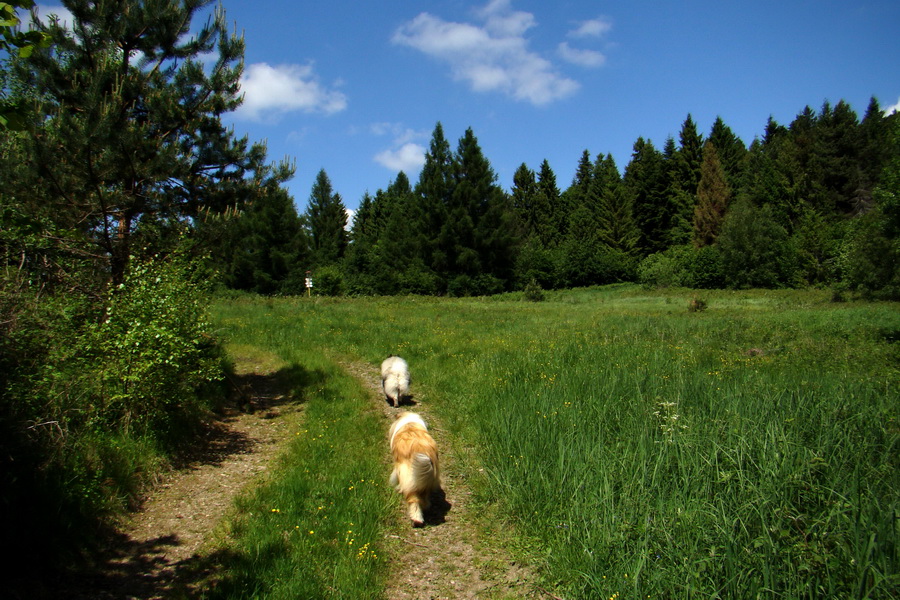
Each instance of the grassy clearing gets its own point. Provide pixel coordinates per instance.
(746, 450)
(315, 530)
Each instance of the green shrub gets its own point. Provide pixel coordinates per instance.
(659, 270)
(153, 351)
(533, 292)
(685, 266)
(329, 281)
(702, 268)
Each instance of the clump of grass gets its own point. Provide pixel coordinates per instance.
(697, 305)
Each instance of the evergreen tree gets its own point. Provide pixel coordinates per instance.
(434, 189)
(874, 154)
(645, 184)
(265, 249)
(839, 147)
(616, 227)
(327, 221)
(360, 260)
(480, 233)
(402, 248)
(712, 198)
(583, 173)
(548, 190)
(129, 139)
(677, 218)
(531, 206)
(689, 157)
(731, 151)
(578, 193)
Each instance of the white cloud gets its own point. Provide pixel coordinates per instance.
(350, 214)
(398, 131)
(270, 92)
(404, 154)
(584, 58)
(493, 57)
(591, 28)
(893, 108)
(408, 158)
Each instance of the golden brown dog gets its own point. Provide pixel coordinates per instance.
(416, 473)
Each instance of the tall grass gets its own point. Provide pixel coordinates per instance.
(748, 450)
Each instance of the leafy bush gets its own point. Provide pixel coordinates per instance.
(702, 268)
(660, 270)
(685, 266)
(329, 281)
(154, 351)
(535, 263)
(96, 392)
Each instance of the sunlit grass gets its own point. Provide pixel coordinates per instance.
(747, 450)
(315, 529)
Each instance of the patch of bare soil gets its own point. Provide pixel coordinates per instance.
(451, 557)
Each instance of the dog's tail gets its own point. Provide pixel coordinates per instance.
(423, 471)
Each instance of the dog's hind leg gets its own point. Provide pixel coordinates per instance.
(394, 479)
(414, 509)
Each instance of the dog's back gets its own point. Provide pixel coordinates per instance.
(394, 378)
(416, 471)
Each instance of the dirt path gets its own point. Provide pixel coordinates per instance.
(157, 555)
(449, 558)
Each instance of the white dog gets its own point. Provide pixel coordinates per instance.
(416, 473)
(394, 379)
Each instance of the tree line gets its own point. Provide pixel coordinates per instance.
(809, 203)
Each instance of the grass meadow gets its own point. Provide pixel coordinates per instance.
(638, 449)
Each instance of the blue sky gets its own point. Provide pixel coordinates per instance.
(357, 87)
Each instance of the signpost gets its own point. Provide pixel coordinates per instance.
(309, 284)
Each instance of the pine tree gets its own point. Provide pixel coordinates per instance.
(548, 190)
(616, 227)
(265, 249)
(327, 221)
(874, 154)
(402, 247)
(360, 260)
(434, 189)
(689, 157)
(712, 198)
(646, 184)
(128, 134)
(480, 233)
(577, 194)
(678, 213)
(731, 150)
(840, 147)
